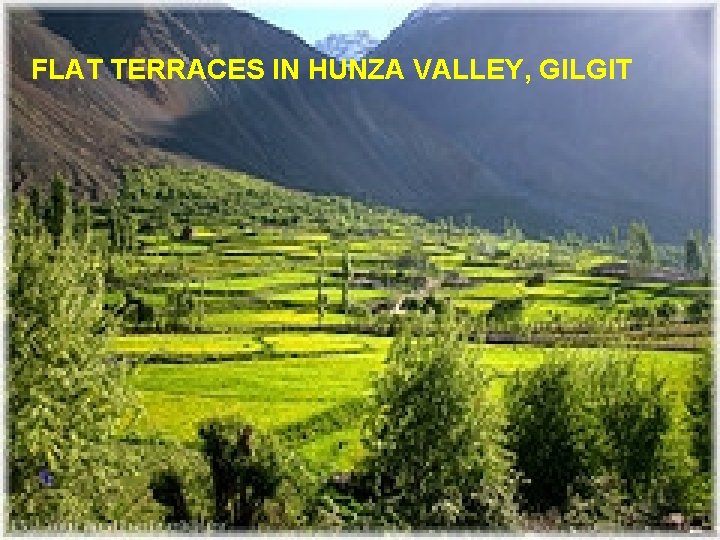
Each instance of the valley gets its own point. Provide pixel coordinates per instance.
(231, 303)
(299, 297)
(243, 300)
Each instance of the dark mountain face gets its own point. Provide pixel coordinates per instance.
(338, 137)
(567, 154)
(86, 129)
(593, 152)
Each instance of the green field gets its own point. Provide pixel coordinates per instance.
(276, 393)
(227, 297)
(254, 344)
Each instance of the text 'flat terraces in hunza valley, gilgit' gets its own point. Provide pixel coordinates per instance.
(330, 68)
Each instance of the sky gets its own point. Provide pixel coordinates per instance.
(314, 21)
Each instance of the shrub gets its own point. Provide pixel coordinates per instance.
(573, 421)
(505, 309)
(539, 407)
(254, 481)
(167, 489)
(700, 410)
(698, 489)
(434, 457)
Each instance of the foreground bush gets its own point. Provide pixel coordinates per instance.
(434, 458)
(255, 483)
(65, 398)
(575, 421)
(700, 421)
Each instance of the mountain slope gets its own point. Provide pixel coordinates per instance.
(86, 129)
(341, 137)
(553, 155)
(596, 152)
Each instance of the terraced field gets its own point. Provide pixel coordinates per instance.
(241, 299)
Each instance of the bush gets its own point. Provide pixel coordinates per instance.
(573, 421)
(167, 489)
(255, 483)
(539, 407)
(434, 458)
(505, 309)
(66, 399)
(699, 421)
(700, 410)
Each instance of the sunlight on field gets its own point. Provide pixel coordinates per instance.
(275, 393)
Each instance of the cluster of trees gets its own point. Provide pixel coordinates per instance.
(65, 398)
(58, 214)
(122, 229)
(578, 443)
(590, 441)
(641, 251)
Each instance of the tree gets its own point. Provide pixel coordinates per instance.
(321, 297)
(255, 482)
(167, 489)
(181, 304)
(36, 204)
(512, 231)
(640, 246)
(541, 437)
(573, 420)
(166, 222)
(244, 473)
(615, 238)
(347, 275)
(60, 211)
(699, 407)
(130, 227)
(114, 227)
(64, 397)
(433, 457)
(83, 221)
(694, 255)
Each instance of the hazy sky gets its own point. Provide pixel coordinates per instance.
(313, 22)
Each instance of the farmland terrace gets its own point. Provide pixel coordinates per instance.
(241, 298)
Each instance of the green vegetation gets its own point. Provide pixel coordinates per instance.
(66, 402)
(398, 372)
(421, 479)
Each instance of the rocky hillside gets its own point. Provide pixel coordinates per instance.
(550, 156)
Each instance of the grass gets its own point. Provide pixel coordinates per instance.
(547, 310)
(492, 291)
(251, 283)
(260, 303)
(275, 394)
(317, 342)
(270, 394)
(286, 317)
(334, 295)
(184, 344)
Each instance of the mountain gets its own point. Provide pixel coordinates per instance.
(354, 45)
(566, 154)
(593, 152)
(343, 137)
(86, 129)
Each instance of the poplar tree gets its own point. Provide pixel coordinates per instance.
(64, 397)
(36, 204)
(59, 209)
(694, 251)
(347, 273)
(640, 247)
(321, 298)
(83, 221)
